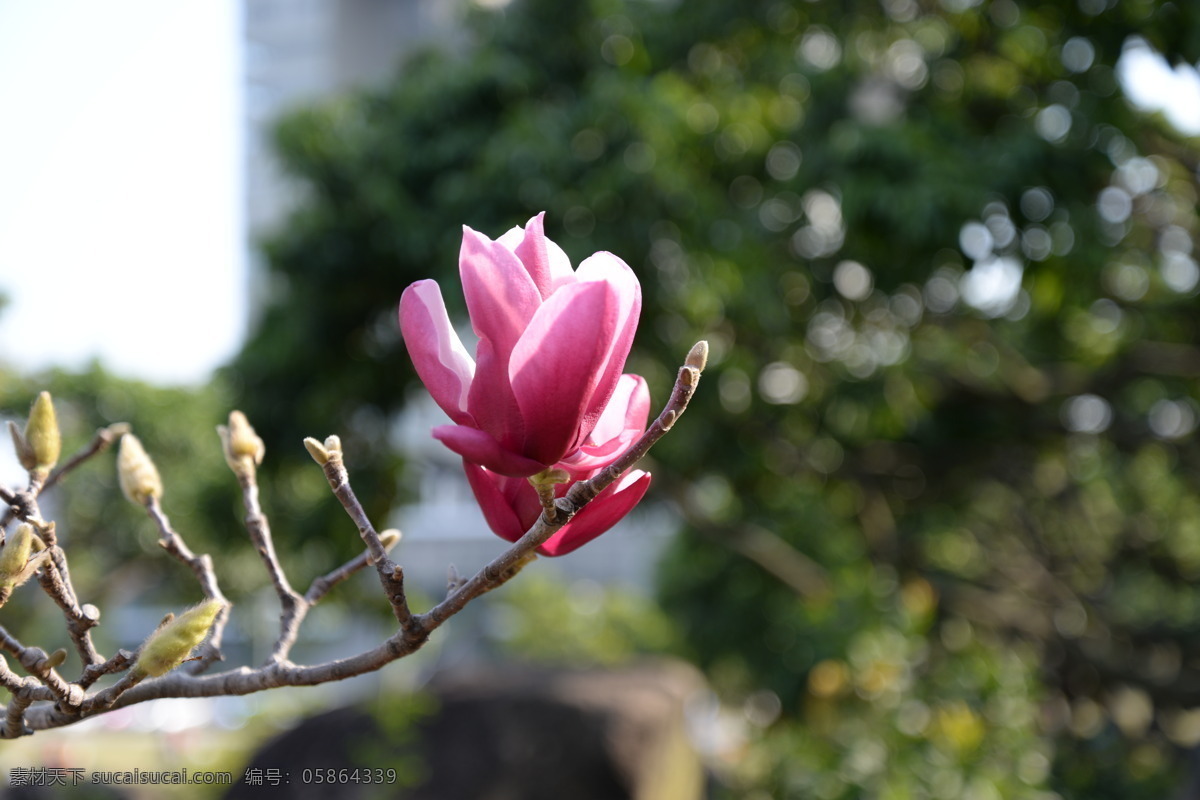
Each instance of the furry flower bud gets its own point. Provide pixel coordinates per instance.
(16, 552)
(240, 443)
(171, 644)
(139, 477)
(317, 451)
(16, 563)
(39, 446)
(42, 434)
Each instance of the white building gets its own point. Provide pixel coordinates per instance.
(299, 51)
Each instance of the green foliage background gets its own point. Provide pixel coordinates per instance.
(957, 544)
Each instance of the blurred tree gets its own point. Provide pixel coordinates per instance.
(948, 276)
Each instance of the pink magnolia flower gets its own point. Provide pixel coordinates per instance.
(511, 505)
(552, 346)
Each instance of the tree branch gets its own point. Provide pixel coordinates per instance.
(391, 574)
(100, 442)
(62, 703)
(293, 606)
(202, 566)
(321, 585)
(103, 439)
(55, 580)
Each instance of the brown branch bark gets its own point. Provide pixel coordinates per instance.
(293, 607)
(391, 574)
(55, 579)
(69, 703)
(202, 567)
(103, 439)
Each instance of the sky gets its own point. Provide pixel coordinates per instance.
(120, 185)
(1153, 85)
(121, 208)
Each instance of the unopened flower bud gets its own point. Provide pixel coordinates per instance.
(317, 451)
(171, 644)
(42, 435)
(16, 552)
(389, 537)
(139, 477)
(56, 659)
(698, 356)
(16, 566)
(240, 443)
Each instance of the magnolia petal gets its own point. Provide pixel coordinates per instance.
(609, 508)
(477, 447)
(561, 272)
(628, 408)
(501, 295)
(616, 274)
(497, 511)
(437, 353)
(623, 421)
(547, 263)
(511, 238)
(491, 402)
(556, 365)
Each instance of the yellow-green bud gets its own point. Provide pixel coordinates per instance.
(16, 551)
(389, 537)
(171, 644)
(15, 554)
(323, 453)
(16, 566)
(240, 442)
(56, 659)
(317, 451)
(698, 356)
(42, 435)
(139, 477)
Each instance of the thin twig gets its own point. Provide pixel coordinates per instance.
(80, 619)
(10, 643)
(289, 626)
(322, 584)
(391, 574)
(202, 567)
(103, 439)
(93, 672)
(260, 535)
(293, 606)
(55, 580)
(24, 690)
(9, 679)
(14, 712)
(104, 699)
